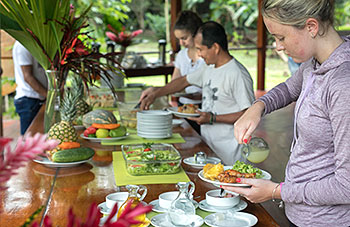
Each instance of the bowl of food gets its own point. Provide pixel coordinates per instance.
(150, 159)
(225, 200)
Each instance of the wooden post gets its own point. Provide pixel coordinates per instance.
(261, 45)
(1, 125)
(175, 10)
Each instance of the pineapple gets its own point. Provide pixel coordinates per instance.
(82, 106)
(64, 130)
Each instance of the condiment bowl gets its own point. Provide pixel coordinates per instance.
(213, 198)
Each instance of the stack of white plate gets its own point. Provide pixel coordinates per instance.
(154, 124)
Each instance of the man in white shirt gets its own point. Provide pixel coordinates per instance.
(227, 91)
(31, 85)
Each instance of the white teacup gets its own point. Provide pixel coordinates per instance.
(165, 199)
(117, 197)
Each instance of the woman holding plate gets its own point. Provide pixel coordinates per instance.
(317, 182)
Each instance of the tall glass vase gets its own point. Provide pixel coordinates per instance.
(53, 100)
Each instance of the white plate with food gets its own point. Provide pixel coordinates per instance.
(175, 111)
(45, 161)
(191, 161)
(185, 94)
(264, 175)
(97, 140)
(231, 219)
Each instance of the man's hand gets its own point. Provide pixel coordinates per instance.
(204, 118)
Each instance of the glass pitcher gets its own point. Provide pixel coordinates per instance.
(136, 199)
(182, 209)
(256, 150)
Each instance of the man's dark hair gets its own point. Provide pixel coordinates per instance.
(213, 32)
(189, 21)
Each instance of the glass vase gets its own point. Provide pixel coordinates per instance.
(53, 100)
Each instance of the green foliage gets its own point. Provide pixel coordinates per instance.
(342, 13)
(235, 15)
(104, 12)
(157, 25)
(35, 21)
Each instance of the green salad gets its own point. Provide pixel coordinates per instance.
(247, 168)
(146, 160)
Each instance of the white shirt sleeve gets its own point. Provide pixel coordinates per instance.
(196, 77)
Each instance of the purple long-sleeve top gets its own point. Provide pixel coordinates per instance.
(316, 191)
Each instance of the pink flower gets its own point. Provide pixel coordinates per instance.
(126, 219)
(27, 148)
(122, 38)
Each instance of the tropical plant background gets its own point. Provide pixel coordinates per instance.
(238, 17)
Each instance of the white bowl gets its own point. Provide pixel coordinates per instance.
(166, 198)
(213, 198)
(117, 197)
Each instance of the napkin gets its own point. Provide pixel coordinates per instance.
(123, 178)
(135, 139)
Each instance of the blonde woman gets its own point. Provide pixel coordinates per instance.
(316, 191)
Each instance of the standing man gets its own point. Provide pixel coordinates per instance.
(31, 85)
(227, 91)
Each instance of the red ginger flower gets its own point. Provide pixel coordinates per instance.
(122, 38)
(126, 219)
(27, 148)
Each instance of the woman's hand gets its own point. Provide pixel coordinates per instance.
(260, 190)
(247, 123)
(147, 98)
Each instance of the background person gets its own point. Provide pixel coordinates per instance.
(31, 85)
(188, 60)
(317, 181)
(227, 91)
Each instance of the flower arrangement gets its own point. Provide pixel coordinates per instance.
(54, 35)
(123, 37)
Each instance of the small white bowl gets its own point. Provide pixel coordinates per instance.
(117, 197)
(166, 198)
(213, 198)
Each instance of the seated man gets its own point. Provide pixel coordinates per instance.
(227, 91)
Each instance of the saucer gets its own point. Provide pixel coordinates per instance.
(159, 209)
(231, 219)
(190, 161)
(161, 220)
(203, 205)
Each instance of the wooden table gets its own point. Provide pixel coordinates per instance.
(79, 187)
